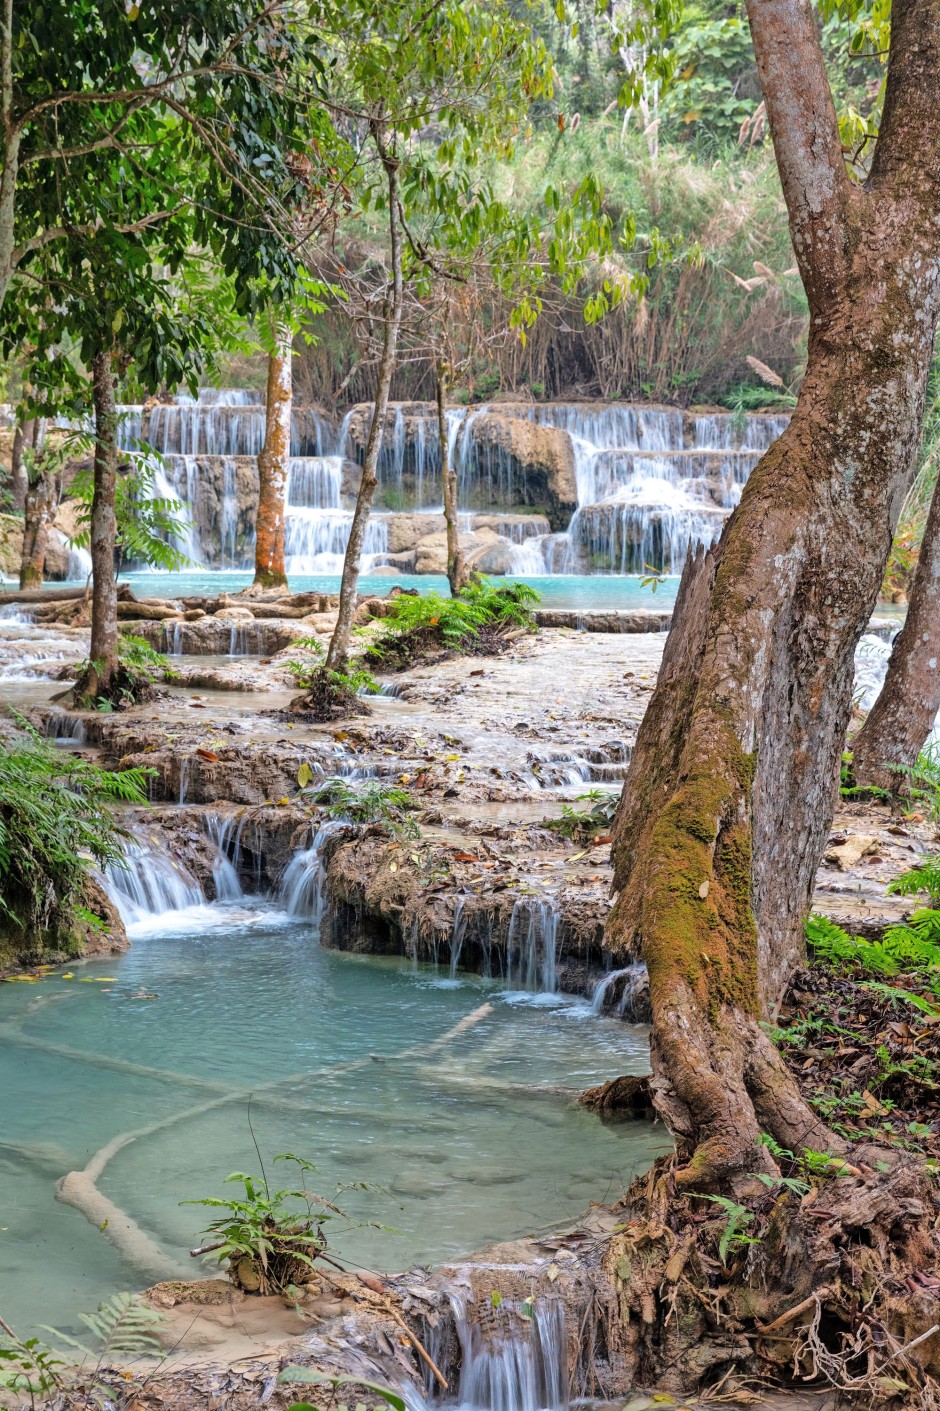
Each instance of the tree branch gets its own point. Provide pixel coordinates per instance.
(907, 153)
(805, 132)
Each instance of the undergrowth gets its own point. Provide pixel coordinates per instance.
(139, 667)
(584, 824)
(123, 1329)
(56, 820)
(367, 801)
(479, 619)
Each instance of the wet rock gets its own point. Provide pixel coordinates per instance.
(536, 461)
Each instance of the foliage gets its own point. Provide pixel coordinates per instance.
(139, 666)
(923, 780)
(149, 526)
(914, 946)
(477, 617)
(368, 801)
(588, 822)
(123, 1328)
(923, 877)
(56, 820)
(279, 1232)
(737, 1219)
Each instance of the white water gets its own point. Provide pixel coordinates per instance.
(512, 1359)
(532, 945)
(147, 883)
(650, 482)
(302, 887)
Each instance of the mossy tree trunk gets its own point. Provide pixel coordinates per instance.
(887, 746)
(456, 572)
(274, 466)
(733, 781)
(103, 532)
(42, 502)
(338, 650)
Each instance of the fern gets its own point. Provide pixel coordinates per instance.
(413, 622)
(123, 1328)
(924, 877)
(914, 946)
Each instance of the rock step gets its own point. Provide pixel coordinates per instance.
(614, 620)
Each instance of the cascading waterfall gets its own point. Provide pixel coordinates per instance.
(303, 884)
(222, 830)
(651, 482)
(532, 945)
(624, 992)
(146, 882)
(511, 1359)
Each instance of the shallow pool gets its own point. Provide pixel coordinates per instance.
(473, 1135)
(559, 590)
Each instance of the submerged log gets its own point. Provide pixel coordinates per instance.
(59, 595)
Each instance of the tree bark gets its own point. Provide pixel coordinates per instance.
(274, 467)
(456, 574)
(339, 643)
(893, 735)
(732, 784)
(11, 138)
(42, 502)
(104, 633)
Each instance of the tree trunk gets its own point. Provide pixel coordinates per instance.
(104, 633)
(733, 780)
(456, 573)
(339, 643)
(28, 436)
(887, 746)
(42, 502)
(11, 138)
(273, 467)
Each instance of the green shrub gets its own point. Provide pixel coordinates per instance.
(56, 820)
(367, 801)
(924, 877)
(903, 948)
(480, 615)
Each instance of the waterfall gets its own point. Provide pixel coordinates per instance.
(513, 1357)
(222, 831)
(633, 1001)
(146, 882)
(532, 944)
(79, 564)
(302, 886)
(457, 934)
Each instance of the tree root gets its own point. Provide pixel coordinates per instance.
(835, 1282)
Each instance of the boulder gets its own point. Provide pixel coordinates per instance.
(405, 531)
(522, 463)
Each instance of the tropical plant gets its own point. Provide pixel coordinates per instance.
(481, 615)
(737, 1219)
(923, 877)
(269, 1239)
(368, 801)
(56, 820)
(904, 947)
(123, 1329)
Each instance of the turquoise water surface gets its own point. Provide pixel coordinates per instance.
(469, 1137)
(557, 591)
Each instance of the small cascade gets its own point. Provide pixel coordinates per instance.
(302, 886)
(513, 1358)
(457, 934)
(79, 564)
(222, 830)
(65, 729)
(532, 945)
(146, 882)
(625, 993)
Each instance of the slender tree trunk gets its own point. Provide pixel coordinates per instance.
(339, 643)
(42, 502)
(104, 633)
(11, 137)
(274, 467)
(733, 781)
(28, 436)
(456, 574)
(893, 735)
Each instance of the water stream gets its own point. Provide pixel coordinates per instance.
(344, 1057)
